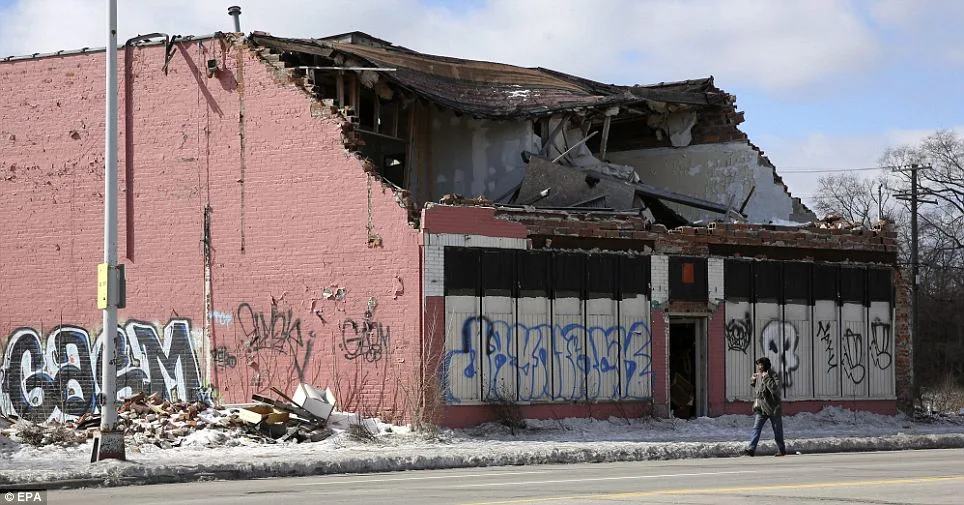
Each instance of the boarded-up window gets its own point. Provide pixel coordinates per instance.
(633, 276)
(853, 285)
(687, 279)
(601, 276)
(737, 280)
(825, 281)
(533, 271)
(498, 272)
(880, 285)
(462, 269)
(796, 283)
(567, 275)
(767, 285)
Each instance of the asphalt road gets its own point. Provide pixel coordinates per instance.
(911, 477)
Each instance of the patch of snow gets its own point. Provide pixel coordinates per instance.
(231, 453)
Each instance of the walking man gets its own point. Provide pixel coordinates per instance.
(766, 405)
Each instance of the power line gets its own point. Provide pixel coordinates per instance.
(827, 170)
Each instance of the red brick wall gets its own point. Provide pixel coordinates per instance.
(660, 349)
(716, 362)
(305, 224)
(469, 220)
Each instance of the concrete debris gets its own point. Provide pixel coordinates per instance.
(457, 199)
(152, 420)
(837, 222)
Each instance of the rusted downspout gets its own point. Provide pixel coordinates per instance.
(239, 58)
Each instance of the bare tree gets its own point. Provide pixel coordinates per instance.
(940, 250)
(864, 201)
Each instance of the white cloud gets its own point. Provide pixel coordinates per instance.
(818, 151)
(770, 45)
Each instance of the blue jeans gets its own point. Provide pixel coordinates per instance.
(776, 422)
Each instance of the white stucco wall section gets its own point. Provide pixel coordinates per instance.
(475, 157)
(715, 279)
(659, 278)
(722, 173)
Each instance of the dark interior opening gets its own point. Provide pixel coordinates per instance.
(682, 369)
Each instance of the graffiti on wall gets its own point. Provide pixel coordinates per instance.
(850, 356)
(276, 332)
(828, 352)
(368, 340)
(739, 333)
(780, 340)
(614, 362)
(880, 342)
(223, 358)
(826, 338)
(58, 379)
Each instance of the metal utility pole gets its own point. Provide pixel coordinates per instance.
(915, 201)
(109, 443)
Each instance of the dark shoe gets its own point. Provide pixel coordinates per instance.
(780, 453)
(748, 452)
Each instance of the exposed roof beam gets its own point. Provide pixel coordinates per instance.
(663, 95)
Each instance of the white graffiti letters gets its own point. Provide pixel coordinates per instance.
(60, 380)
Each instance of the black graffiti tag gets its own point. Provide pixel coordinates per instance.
(823, 334)
(367, 340)
(739, 333)
(880, 339)
(850, 356)
(279, 332)
(223, 358)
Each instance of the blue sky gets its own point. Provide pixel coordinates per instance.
(825, 84)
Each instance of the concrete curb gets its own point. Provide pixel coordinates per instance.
(111, 474)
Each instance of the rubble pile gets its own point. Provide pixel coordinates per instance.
(153, 420)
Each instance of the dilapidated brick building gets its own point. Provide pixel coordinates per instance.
(427, 236)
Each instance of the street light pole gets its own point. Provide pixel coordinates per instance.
(109, 443)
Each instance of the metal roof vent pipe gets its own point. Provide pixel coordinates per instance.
(235, 12)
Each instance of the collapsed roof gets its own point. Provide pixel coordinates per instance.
(493, 90)
(395, 76)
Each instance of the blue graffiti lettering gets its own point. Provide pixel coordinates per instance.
(545, 362)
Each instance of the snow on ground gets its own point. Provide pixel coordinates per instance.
(212, 454)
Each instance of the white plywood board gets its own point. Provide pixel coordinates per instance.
(568, 350)
(636, 348)
(461, 365)
(602, 349)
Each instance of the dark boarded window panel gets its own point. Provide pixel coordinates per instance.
(601, 276)
(533, 273)
(498, 272)
(825, 282)
(796, 282)
(880, 285)
(567, 275)
(687, 279)
(766, 283)
(853, 285)
(634, 276)
(462, 272)
(737, 280)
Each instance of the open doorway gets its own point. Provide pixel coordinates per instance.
(687, 367)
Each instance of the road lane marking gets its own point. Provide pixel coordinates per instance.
(351, 479)
(614, 496)
(592, 479)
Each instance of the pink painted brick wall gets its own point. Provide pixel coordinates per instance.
(306, 213)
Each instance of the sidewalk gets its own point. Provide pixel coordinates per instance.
(542, 442)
